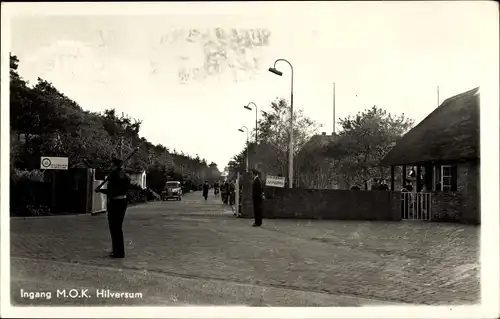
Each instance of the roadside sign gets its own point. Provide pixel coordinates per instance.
(54, 163)
(275, 181)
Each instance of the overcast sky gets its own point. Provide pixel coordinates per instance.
(393, 55)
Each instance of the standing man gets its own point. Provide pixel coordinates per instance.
(205, 190)
(257, 199)
(116, 193)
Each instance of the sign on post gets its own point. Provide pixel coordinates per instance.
(54, 163)
(275, 181)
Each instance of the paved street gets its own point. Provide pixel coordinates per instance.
(197, 253)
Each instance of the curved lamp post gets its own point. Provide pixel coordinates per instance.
(290, 147)
(241, 130)
(249, 108)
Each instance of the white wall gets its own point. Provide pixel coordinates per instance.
(139, 179)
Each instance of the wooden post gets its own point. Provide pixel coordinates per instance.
(417, 176)
(428, 177)
(392, 178)
(403, 176)
(53, 191)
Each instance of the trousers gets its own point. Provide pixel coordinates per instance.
(116, 214)
(257, 211)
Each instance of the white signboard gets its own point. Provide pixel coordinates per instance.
(275, 181)
(53, 162)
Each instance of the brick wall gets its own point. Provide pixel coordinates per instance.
(446, 206)
(464, 204)
(324, 204)
(468, 184)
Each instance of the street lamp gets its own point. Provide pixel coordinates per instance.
(290, 150)
(241, 130)
(249, 108)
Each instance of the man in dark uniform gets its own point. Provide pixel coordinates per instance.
(257, 199)
(116, 193)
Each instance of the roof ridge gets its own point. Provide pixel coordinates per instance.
(443, 104)
(460, 95)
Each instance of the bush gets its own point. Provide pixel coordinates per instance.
(24, 176)
(29, 193)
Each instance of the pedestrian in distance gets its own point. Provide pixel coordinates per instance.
(232, 196)
(205, 190)
(216, 189)
(226, 192)
(232, 193)
(257, 197)
(116, 193)
(223, 192)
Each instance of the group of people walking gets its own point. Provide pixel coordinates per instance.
(227, 191)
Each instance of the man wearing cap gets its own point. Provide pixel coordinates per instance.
(257, 198)
(116, 193)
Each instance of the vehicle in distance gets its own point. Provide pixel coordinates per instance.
(172, 189)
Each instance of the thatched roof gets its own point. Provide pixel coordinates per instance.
(449, 133)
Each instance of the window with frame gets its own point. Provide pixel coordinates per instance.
(446, 177)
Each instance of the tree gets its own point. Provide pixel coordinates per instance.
(46, 122)
(270, 153)
(364, 139)
(313, 168)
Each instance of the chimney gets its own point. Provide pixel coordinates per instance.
(323, 133)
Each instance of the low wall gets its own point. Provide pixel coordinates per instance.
(324, 204)
(456, 207)
(446, 206)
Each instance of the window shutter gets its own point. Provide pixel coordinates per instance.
(454, 177)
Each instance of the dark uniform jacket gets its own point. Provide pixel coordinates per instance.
(118, 184)
(257, 190)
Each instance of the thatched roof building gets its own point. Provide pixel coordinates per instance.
(449, 133)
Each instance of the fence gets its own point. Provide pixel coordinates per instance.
(27, 196)
(416, 206)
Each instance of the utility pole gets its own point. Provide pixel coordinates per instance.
(333, 108)
(438, 94)
(121, 147)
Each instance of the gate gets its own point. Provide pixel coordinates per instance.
(416, 206)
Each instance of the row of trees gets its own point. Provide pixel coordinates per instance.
(45, 122)
(348, 158)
